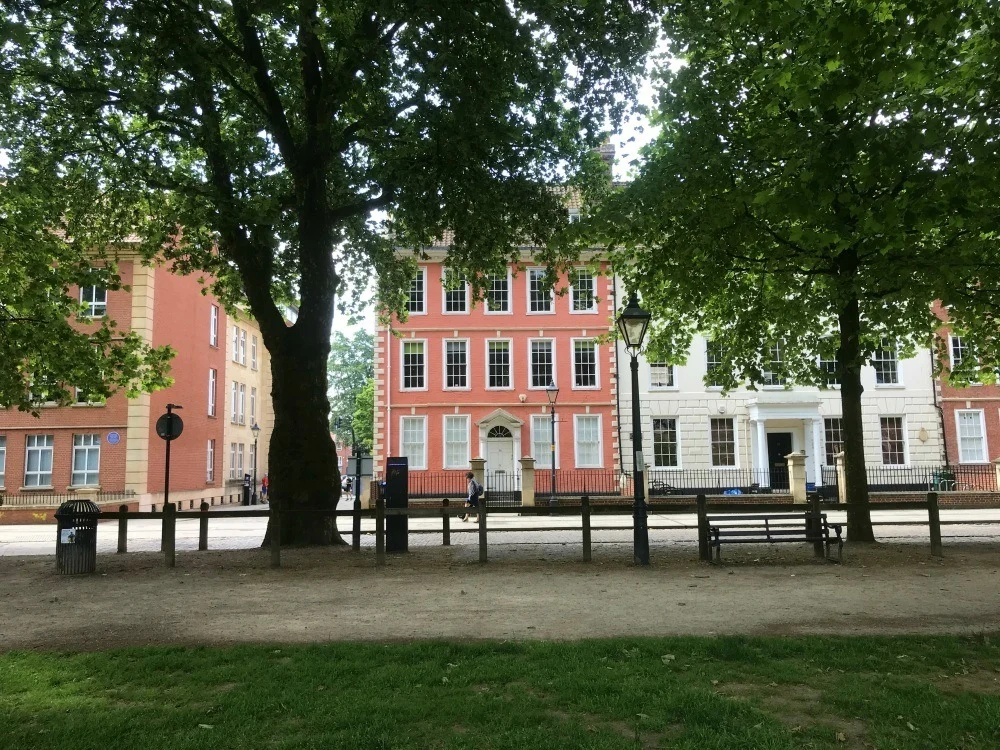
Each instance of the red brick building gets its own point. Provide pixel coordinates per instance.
(971, 414)
(110, 448)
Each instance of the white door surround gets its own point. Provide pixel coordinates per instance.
(788, 408)
(500, 441)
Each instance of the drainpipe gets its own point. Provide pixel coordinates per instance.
(618, 380)
(940, 409)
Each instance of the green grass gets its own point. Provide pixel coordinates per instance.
(725, 693)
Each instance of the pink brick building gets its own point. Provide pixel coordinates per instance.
(459, 380)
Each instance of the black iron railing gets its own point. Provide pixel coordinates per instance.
(579, 482)
(718, 482)
(928, 478)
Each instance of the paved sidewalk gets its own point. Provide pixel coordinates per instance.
(248, 533)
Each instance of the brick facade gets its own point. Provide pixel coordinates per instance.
(163, 309)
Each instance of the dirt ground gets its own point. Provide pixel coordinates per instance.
(525, 591)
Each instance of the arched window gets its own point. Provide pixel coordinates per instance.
(499, 432)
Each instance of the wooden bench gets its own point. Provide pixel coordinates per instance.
(774, 528)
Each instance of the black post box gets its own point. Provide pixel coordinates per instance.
(397, 495)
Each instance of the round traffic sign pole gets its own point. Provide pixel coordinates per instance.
(169, 427)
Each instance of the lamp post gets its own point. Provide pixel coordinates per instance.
(633, 323)
(256, 434)
(552, 391)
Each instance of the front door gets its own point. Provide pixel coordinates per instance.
(779, 445)
(499, 451)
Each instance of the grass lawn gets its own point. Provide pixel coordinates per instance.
(731, 693)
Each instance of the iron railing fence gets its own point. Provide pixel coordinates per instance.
(722, 481)
(51, 500)
(503, 489)
(932, 478)
(594, 483)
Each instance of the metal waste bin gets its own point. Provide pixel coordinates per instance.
(76, 537)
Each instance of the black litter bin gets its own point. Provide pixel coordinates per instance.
(76, 537)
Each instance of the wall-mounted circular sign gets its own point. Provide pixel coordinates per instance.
(113, 438)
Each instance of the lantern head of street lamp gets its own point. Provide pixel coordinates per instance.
(552, 391)
(633, 323)
(255, 430)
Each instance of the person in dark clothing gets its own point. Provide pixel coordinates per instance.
(475, 493)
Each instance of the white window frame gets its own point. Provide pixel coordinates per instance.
(87, 445)
(555, 363)
(899, 370)
(951, 353)
(213, 326)
(547, 418)
(232, 461)
(243, 403)
(600, 441)
(402, 452)
(527, 301)
(402, 364)
(572, 291)
(572, 364)
(736, 444)
(252, 450)
(708, 369)
(253, 405)
(93, 305)
(253, 352)
(510, 297)
(677, 436)
(210, 461)
(422, 273)
(444, 299)
(48, 445)
(510, 364)
(825, 376)
(673, 376)
(778, 382)
(985, 438)
(444, 364)
(463, 464)
(3, 461)
(213, 388)
(243, 346)
(826, 442)
(240, 466)
(573, 216)
(236, 343)
(906, 439)
(234, 415)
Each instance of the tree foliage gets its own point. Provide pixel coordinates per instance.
(269, 133)
(364, 416)
(48, 349)
(824, 171)
(351, 366)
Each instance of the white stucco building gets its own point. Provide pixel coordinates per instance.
(689, 425)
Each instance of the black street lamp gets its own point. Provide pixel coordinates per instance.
(256, 434)
(552, 391)
(633, 323)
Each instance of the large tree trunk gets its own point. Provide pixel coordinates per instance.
(859, 518)
(302, 462)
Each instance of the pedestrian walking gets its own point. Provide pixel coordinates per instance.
(475, 493)
(263, 488)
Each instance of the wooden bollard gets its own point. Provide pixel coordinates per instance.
(934, 522)
(445, 524)
(356, 526)
(380, 530)
(704, 544)
(203, 528)
(585, 521)
(817, 526)
(275, 537)
(169, 535)
(482, 529)
(122, 529)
